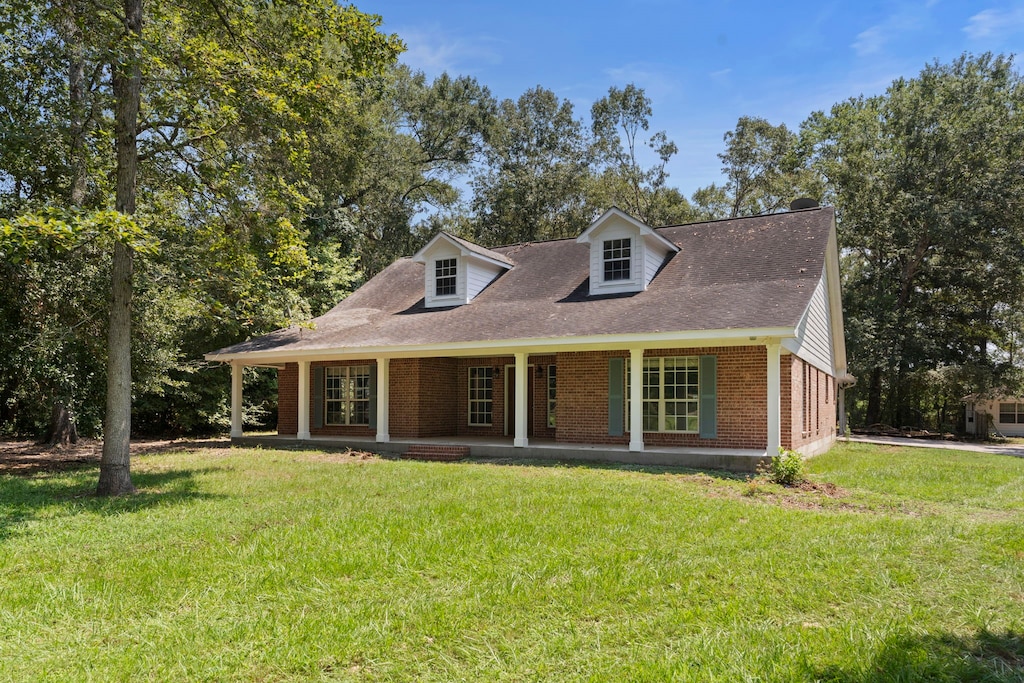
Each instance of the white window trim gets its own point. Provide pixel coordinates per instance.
(471, 400)
(346, 372)
(661, 395)
(552, 395)
(1018, 412)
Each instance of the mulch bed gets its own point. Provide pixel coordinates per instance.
(29, 457)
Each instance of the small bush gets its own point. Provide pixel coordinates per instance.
(786, 468)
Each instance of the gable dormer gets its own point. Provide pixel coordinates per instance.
(625, 253)
(456, 270)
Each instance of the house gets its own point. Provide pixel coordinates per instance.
(722, 338)
(1000, 412)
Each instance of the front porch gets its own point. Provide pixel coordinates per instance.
(733, 460)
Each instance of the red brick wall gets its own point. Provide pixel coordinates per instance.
(742, 398)
(288, 399)
(812, 411)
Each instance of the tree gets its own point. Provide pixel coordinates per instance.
(616, 122)
(215, 109)
(928, 183)
(533, 184)
(764, 169)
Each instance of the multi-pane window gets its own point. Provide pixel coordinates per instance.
(347, 395)
(552, 387)
(1011, 413)
(481, 401)
(617, 260)
(444, 276)
(670, 394)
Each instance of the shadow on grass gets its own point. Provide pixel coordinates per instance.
(73, 492)
(985, 656)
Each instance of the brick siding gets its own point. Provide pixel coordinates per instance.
(430, 398)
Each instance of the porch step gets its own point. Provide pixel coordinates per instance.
(436, 452)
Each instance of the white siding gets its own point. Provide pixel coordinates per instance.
(478, 276)
(813, 342)
(992, 408)
(443, 250)
(652, 261)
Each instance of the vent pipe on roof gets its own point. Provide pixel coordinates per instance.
(803, 203)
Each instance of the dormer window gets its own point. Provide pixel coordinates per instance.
(617, 261)
(625, 254)
(445, 276)
(456, 271)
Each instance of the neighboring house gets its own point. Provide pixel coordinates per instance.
(1002, 413)
(716, 337)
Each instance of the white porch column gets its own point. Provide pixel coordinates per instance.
(636, 399)
(774, 399)
(383, 392)
(236, 398)
(303, 401)
(521, 406)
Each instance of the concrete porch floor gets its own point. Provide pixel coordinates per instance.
(733, 460)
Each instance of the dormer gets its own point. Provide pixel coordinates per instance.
(456, 270)
(625, 254)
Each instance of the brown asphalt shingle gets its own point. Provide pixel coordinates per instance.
(734, 274)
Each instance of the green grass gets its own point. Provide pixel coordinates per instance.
(279, 565)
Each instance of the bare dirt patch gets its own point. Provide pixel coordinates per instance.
(29, 457)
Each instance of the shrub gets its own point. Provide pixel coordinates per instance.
(786, 468)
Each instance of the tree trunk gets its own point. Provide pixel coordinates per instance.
(62, 427)
(115, 465)
(62, 423)
(874, 413)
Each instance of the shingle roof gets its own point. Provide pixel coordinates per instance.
(743, 273)
(480, 251)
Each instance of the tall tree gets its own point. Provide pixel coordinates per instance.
(764, 167)
(215, 109)
(618, 122)
(533, 184)
(929, 185)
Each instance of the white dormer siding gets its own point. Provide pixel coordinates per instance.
(647, 252)
(475, 269)
(813, 341)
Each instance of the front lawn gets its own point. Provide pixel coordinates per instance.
(283, 565)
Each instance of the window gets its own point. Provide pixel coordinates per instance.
(670, 393)
(444, 277)
(617, 260)
(552, 385)
(480, 396)
(347, 395)
(1011, 413)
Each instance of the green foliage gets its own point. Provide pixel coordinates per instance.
(927, 181)
(786, 468)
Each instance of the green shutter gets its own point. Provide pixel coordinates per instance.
(373, 396)
(616, 379)
(318, 397)
(708, 393)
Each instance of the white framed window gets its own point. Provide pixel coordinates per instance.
(445, 272)
(618, 260)
(1011, 413)
(347, 395)
(670, 394)
(552, 390)
(481, 396)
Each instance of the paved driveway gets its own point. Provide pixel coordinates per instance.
(1016, 450)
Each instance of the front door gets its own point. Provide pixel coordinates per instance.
(510, 400)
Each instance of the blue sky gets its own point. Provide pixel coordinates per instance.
(704, 64)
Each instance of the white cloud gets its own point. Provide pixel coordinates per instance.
(993, 24)
(870, 41)
(432, 51)
(909, 18)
